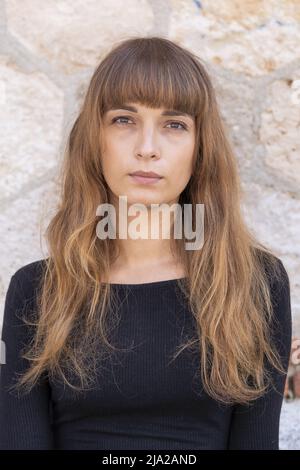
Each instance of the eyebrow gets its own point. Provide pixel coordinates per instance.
(167, 112)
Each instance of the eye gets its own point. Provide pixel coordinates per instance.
(116, 119)
(126, 118)
(183, 126)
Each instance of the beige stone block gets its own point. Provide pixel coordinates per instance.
(250, 37)
(73, 34)
(274, 217)
(31, 118)
(237, 101)
(22, 225)
(280, 127)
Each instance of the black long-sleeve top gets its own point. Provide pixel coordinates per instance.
(143, 400)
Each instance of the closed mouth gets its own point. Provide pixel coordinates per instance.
(146, 175)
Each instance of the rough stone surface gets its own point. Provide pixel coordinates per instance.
(31, 121)
(71, 34)
(289, 435)
(250, 37)
(280, 127)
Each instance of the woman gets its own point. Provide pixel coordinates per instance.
(141, 343)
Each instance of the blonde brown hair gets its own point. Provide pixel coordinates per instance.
(228, 280)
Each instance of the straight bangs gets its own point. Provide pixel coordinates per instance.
(153, 77)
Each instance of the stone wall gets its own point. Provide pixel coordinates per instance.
(48, 51)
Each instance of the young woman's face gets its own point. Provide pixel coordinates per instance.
(138, 138)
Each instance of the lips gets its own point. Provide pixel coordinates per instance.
(146, 174)
(148, 178)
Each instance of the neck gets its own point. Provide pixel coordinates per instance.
(146, 236)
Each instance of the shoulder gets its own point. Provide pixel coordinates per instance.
(277, 275)
(26, 278)
(22, 289)
(281, 321)
(31, 271)
(279, 289)
(20, 302)
(279, 284)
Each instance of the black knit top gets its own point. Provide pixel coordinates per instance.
(143, 399)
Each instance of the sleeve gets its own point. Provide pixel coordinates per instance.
(25, 420)
(257, 426)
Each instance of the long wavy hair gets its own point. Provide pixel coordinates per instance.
(227, 281)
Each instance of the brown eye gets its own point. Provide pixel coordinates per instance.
(116, 119)
(183, 126)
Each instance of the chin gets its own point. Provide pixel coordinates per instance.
(141, 198)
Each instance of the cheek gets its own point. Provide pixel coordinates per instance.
(113, 162)
(180, 178)
(182, 162)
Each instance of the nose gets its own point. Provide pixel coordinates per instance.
(147, 146)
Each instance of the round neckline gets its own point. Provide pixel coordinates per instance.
(148, 284)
